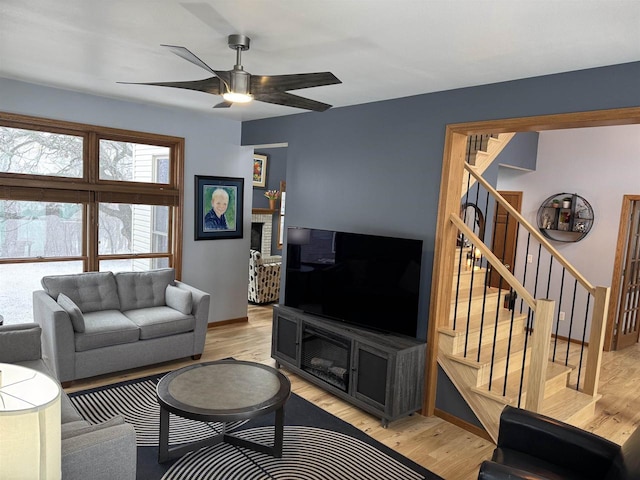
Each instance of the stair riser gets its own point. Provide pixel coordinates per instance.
(481, 375)
(463, 311)
(499, 365)
(551, 387)
(457, 343)
(465, 282)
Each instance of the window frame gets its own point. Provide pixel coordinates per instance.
(90, 190)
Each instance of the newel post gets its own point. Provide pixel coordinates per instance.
(540, 340)
(596, 340)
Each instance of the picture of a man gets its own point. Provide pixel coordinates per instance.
(215, 219)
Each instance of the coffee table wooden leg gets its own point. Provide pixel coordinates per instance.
(163, 441)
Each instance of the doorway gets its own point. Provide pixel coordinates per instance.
(504, 235)
(623, 321)
(455, 145)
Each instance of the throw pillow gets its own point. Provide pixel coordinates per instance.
(112, 422)
(178, 299)
(77, 319)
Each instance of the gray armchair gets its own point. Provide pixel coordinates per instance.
(104, 451)
(532, 446)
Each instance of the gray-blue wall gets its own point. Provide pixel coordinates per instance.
(376, 168)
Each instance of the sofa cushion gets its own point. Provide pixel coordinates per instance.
(88, 428)
(143, 289)
(178, 299)
(71, 426)
(90, 291)
(74, 312)
(161, 321)
(106, 328)
(20, 342)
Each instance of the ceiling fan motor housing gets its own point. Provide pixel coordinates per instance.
(240, 81)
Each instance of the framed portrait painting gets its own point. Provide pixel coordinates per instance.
(219, 207)
(259, 170)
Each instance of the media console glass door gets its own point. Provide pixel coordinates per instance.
(371, 368)
(285, 339)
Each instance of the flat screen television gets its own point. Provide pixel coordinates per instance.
(367, 280)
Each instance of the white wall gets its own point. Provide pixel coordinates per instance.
(212, 147)
(601, 164)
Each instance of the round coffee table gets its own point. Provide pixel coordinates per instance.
(222, 391)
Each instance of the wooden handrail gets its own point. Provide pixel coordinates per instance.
(537, 235)
(494, 261)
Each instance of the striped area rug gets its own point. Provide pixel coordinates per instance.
(317, 445)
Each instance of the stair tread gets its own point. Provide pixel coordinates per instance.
(513, 383)
(463, 294)
(486, 352)
(564, 404)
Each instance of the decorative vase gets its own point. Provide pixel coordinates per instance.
(272, 203)
(566, 204)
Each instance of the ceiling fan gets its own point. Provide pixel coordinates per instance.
(238, 86)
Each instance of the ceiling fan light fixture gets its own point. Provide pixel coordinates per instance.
(235, 97)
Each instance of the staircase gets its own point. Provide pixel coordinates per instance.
(501, 338)
(482, 150)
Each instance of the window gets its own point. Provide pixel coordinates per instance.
(40, 153)
(133, 162)
(78, 197)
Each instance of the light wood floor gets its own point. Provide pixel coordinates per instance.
(443, 448)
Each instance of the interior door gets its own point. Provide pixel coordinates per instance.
(624, 311)
(504, 237)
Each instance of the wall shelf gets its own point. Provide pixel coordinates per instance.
(568, 221)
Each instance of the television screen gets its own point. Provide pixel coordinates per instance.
(368, 280)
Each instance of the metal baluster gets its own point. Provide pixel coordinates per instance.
(555, 340)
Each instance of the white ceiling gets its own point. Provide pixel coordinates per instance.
(379, 49)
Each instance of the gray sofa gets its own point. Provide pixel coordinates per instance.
(100, 452)
(100, 322)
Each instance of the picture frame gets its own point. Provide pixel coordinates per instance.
(259, 170)
(213, 219)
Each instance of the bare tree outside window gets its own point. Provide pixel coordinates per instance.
(40, 153)
(52, 178)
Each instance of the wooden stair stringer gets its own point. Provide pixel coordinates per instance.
(486, 410)
(485, 158)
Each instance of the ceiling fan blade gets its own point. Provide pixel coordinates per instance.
(223, 104)
(208, 85)
(281, 83)
(189, 56)
(290, 100)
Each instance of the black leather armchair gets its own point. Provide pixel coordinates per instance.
(532, 446)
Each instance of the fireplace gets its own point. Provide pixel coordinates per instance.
(256, 236)
(262, 225)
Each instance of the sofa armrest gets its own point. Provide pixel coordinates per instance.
(554, 441)
(200, 311)
(20, 342)
(102, 454)
(495, 471)
(58, 338)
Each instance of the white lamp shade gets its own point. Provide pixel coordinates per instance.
(29, 425)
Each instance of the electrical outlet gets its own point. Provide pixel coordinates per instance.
(561, 316)
(529, 258)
